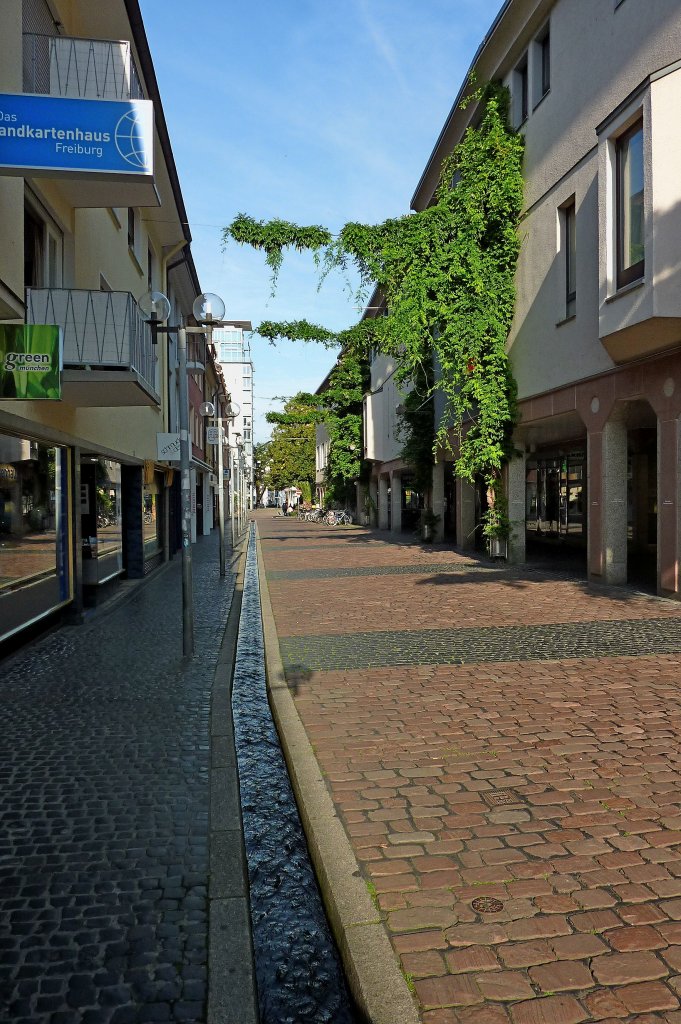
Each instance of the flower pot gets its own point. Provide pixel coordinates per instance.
(497, 547)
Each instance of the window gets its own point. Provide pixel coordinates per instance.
(150, 268)
(570, 256)
(629, 205)
(131, 227)
(43, 247)
(521, 91)
(544, 55)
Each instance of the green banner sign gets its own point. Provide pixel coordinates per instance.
(30, 361)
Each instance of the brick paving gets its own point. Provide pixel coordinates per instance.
(548, 781)
(104, 800)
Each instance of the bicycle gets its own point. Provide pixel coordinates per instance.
(337, 517)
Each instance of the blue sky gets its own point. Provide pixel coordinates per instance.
(316, 111)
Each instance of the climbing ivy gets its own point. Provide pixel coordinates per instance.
(447, 277)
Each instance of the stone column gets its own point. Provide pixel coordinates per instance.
(614, 507)
(668, 505)
(465, 513)
(439, 500)
(360, 495)
(395, 502)
(515, 484)
(373, 492)
(75, 616)
(383, 502)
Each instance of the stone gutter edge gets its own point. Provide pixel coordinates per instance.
(232, 988)
(373, 972)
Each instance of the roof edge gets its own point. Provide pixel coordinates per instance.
(460, 95)
(144, 53)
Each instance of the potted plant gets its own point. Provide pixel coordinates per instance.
(429, 521)
(496, 524)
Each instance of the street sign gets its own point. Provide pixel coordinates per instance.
(168, 447)
(213, 434)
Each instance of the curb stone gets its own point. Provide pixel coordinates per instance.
(232, 991)
(373, 973)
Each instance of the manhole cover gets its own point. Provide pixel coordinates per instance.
(487, 905)
(506, 796)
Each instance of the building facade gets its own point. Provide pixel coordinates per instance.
(87, 495)
(596, 340)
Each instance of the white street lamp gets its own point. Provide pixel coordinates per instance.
(233, 410)
(208, 311)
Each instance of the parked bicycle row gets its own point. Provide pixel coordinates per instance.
(330, 517)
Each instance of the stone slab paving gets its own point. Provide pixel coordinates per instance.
(518, 822)
(104, 802)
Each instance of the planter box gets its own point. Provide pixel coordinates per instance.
(497, 547)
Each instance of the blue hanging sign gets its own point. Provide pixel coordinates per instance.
(53, 135)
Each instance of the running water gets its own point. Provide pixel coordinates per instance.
(299, 974)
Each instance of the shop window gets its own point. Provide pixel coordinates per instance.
(151, 517)
(629, 200)
(555, 497)
(34, 568)
(101, 519)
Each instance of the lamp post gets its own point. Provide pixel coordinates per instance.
(210, 409)
(237, 499)
(208, 310)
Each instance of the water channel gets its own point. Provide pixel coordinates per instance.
(299, 974)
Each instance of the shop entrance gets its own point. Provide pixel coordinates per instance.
(556, 505)
(412, 503)
(642, 507)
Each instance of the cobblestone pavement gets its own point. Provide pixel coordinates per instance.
(104, 761)
(518, 821)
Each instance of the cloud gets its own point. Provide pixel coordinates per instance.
(382, 44)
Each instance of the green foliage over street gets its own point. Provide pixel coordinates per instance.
(447, 277)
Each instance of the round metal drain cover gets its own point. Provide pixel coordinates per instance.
(487, 905)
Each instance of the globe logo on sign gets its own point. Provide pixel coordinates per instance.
(129, 136)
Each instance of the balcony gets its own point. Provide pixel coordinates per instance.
(89, 69)
(96, 69)
(109, 358)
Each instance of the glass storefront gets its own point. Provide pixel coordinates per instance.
(555, 496)
(101, 520)
(152, 517)
(412, 503)
(34, 548)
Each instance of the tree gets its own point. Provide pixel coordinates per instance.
(261, 465)
(291, 449)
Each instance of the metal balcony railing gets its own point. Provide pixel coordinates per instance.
(86, 68)
(101, 330)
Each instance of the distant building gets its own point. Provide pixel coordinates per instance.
(233, 351)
